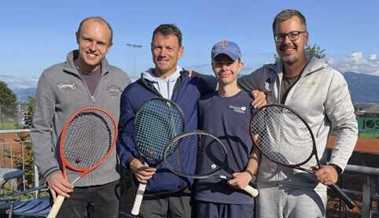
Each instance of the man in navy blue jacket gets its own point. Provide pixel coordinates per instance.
(167, 194)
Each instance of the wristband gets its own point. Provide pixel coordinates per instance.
(250, 173)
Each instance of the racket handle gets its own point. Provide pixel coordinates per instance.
(56, 207)
(342, 195)
(252, 191)
(138, 200)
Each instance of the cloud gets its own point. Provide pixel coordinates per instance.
(357, 62)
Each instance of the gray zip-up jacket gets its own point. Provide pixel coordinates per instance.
(61, 92)
(322, 98)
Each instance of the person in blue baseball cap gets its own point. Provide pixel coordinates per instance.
(230, 107)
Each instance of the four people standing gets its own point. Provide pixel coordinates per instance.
(305, 83)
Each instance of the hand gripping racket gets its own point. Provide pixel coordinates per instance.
(157, 122)
(212, 158)
(285, 138)
(87, 139)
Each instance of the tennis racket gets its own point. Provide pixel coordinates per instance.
(212, 158)
(157, 122)
(87, 139)
(285, 138)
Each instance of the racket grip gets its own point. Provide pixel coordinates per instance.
(138, 200)
(56, 207)
(252, 191)
(342, 195)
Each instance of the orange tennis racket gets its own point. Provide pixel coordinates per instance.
(87, 140)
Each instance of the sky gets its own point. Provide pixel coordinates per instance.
(37, 34)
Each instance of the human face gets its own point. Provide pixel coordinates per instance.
(166, 53)
(94, 42)
(291, 51)
(225, 69)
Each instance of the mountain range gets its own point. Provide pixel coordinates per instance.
(364, 88)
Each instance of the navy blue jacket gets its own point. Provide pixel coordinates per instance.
(187, 92)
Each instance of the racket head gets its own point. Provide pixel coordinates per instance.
(87, 139)
(157, 122)
(283, 136)
(211, 155)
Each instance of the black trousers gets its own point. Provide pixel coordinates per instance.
(92, 202)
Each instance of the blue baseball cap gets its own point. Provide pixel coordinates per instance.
(231, 49)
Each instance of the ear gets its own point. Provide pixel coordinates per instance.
(77, 37)
(306, 35)
(181, 51)
(242, 65)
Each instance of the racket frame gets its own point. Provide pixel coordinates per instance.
(348, 201)
(142, 186)
(62, 140)
(82, 171)
(249, 189)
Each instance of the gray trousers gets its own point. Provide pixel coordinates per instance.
(280, 202)
(175, 206)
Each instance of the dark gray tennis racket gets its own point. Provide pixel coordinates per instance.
(285, 138)
(157, 122)
(212, 158)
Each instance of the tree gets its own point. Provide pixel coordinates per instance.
(315, 50)
(28, 114)
(8, 103)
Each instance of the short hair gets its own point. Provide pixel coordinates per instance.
(168, 29)
(98, 19)
(286, 15)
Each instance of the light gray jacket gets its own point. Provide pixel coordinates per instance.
(322, 98)
(60, 92)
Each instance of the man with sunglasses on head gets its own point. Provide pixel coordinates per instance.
(318, 93)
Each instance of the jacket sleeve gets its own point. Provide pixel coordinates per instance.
(206, 83)
(126, 148)
(340, 112)
(250, 82)
(42, 134)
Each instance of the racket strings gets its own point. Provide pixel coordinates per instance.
(156, 124)
(211, 155)
(282, 136)
(88, 139)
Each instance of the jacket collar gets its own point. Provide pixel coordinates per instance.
(71, 68)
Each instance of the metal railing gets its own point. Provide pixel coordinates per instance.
(18, 139)
(369, 191)
(15, 153)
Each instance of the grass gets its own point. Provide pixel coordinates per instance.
(369, 135)
(8, 125)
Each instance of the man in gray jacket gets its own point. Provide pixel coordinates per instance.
(84, 79)
(318, 93)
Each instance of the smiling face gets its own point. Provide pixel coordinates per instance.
(94, 40)
(290, 39)
(226, 69)
(166, 51)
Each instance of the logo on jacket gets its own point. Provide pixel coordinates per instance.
(114, 90)
(67, 85)
(268, 84)
(238, 109)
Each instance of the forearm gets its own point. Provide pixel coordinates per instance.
(253, 163)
